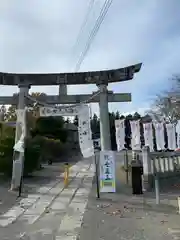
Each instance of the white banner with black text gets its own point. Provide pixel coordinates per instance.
(135, 138)
(159, 133)
(120, 134)
(178, 133)
(171, 135)
(148, 135)
(85, 134)
(107, 171)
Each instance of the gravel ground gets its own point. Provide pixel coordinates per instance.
(123, 216)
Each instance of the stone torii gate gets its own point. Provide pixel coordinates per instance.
(100, 78)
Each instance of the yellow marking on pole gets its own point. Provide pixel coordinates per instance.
(66, 174)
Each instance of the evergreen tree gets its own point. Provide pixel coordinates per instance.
(75, 121)
(136, 116)
(117, 116)
(68, 120)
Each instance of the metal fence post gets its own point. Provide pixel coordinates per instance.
(127, 166)
(156, 183)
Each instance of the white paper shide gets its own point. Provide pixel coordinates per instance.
(120, 134)
(21, 121)
(135, 139)
(148, 135)
(159, 133)
(107, 171)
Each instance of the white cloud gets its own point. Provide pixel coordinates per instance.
(38, 36)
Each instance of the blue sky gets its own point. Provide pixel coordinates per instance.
(38, 36)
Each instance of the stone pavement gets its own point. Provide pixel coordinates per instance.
(37, 180)
(122, 216)
(52, 211)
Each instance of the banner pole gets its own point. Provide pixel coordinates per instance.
(127, 166)
(97, 175)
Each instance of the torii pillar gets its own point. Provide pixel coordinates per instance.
(62, 89)
(18, 158)
(105, 135)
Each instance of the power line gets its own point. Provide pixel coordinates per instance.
(92, 35)
(99, 21)
(89, 10)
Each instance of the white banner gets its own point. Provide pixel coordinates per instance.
(84, 126)
(171, 134)
(135, 139)
(120, 134)
(148, 135)
(87, 150)
(19, 146)
(107, 171)
(178, 133)
(21, 116)
(85, 134)
(21, 120)
(54, 112)
(159, 133)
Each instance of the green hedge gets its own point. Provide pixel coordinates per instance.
(32, 156)
(6, 153)
(37, 150)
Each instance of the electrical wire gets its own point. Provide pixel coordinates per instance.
(85, 21)
(92, 35)
(99, 21)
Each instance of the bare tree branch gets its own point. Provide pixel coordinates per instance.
(167, 104)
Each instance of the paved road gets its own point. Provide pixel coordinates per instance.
(52, 211)
(31, 184)
(124, 216)
(34, 182)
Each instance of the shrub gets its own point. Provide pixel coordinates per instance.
(6, 153)
(51, 127)
(52, 148)
(37, 149)
(32, 156)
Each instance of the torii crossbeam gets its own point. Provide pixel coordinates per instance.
(68, 99)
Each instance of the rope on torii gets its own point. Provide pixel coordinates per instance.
(62, 107)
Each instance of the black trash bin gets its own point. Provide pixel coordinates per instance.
(136, 177)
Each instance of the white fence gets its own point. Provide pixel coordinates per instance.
(165, 162)
(164, 165)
